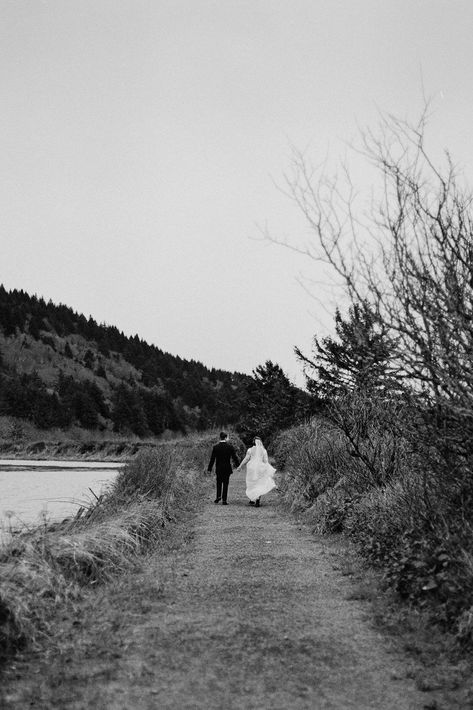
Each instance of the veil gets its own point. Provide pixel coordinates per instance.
(260, 450)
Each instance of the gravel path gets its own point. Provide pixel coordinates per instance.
(256, 617)
(248, 612)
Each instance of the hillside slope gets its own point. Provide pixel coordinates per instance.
(61, 369)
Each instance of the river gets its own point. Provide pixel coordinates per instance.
(32, 492)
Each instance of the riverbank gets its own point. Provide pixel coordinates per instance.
(45, 571)
(114, 450)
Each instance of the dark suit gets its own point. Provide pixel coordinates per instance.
(223, 454)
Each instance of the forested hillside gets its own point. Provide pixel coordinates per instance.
(59, 369)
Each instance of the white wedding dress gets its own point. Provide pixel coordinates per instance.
(259, 472)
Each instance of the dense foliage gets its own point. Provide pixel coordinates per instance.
(59, 368)
(273, 403)
(359, 356)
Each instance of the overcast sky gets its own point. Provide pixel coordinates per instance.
(140, 140)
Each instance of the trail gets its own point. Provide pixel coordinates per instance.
(253, 615)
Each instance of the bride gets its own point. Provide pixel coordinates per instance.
(259, 472)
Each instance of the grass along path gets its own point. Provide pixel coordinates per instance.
(248, 612)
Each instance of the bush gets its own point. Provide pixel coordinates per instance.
(329, 512)
(314, 458)
(367, 477)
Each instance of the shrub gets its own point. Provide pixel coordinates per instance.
(329, 512)
(314, 458)
(368, 478)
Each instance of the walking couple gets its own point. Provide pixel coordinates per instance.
(259, 472)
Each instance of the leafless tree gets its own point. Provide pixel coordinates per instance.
(410, 255)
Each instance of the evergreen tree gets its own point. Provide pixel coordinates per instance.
(85, 410)
(101, 372)
(128, 412)
(34, 326)
(121, 409)
(361, 357)
(89, 359)
(7, 320)
(139, 422)
(272, 403)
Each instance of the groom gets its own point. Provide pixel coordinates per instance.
(223, 454)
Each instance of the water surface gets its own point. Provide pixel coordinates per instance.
(34, 491)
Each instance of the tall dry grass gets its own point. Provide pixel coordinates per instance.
(43, 569)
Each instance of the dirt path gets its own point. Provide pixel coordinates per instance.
(253, 615)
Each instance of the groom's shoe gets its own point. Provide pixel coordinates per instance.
(257, 503)
(224, 502)
(217, 500)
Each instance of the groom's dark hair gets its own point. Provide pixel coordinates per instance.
(223, 435)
